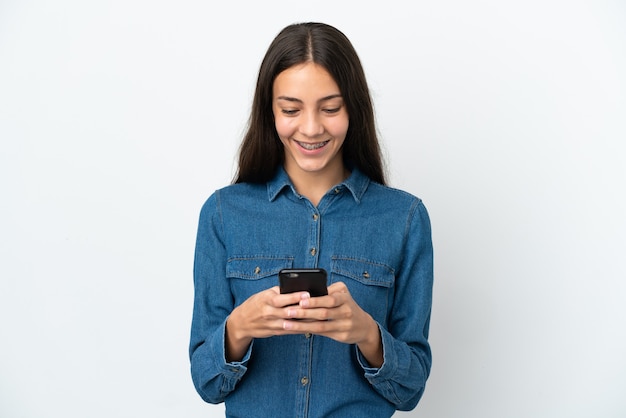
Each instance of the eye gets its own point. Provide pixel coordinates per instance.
(289, 112)
(331, 111)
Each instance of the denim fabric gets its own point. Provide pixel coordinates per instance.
(374, 238)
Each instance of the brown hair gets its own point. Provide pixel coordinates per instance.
(261, 151)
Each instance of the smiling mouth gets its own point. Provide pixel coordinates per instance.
(312, 147)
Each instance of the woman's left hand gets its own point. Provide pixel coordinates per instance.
(339, 317)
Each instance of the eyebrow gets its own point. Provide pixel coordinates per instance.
(293, 99)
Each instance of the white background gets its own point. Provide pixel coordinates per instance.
(119, 118)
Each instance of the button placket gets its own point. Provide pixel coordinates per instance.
(314, 237)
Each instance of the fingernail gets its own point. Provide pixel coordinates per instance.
(286, 325)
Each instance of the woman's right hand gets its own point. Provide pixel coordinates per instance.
(260, 316)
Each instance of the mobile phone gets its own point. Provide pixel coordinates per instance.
(309, 280)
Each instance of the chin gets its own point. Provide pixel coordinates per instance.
(312, 168)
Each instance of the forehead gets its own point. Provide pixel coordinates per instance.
(307, 80)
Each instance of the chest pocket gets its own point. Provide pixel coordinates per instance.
(370, 283)
(250, 275)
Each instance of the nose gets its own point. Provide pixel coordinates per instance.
(310, 125)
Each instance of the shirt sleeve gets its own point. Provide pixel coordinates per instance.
(406, 350)
(213, 377)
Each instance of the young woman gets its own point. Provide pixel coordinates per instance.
(310, 192)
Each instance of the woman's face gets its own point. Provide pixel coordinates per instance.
(311, 120)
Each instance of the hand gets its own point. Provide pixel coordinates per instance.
(339, 317)
(260, 316)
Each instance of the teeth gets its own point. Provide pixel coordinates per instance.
(312, 147)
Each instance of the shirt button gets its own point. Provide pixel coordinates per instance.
(304, 381)
(315, 216)
(313, 251)
(336, 190)
(257, 270)
(308, 335)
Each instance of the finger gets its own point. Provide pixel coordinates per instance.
(311, 314)
(305, 326)
(275, 289)
(309, 323)
(337, 287)
(286, 299)
(272, 329)
(327, 301)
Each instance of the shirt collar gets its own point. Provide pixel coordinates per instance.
(356, 183)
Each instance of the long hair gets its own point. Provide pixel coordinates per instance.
(261, 151)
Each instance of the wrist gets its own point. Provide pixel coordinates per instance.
(236, 344)
(373, 336)
(372, 346)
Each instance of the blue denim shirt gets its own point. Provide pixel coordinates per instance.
(375, 239)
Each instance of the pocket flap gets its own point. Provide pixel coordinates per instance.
(253, 268)
(366, 272)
